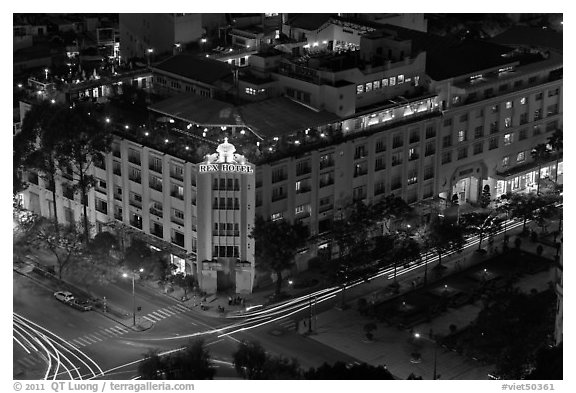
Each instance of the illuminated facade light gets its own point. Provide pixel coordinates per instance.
(107, 120)
(242, 132)
(127, 126)
(53, 101)
(146, 133)
(296, 142)
(166, 141)
(275, 138)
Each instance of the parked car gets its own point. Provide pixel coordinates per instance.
(64, 296)
(81, 304)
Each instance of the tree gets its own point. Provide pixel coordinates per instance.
(480, 224)
(540, 154)
(152, 367)
(524, 206)
(276, 245)
(252, 362)
(156, 264)
(389, 209)
(341, 370)
(249, 359)
(353, 227)
(556, 143)
(444, 237)
(65, 244)
(548, 364)
(485, 197)
(102, 244)
(34, 148)
(185, 281)
(404, 249)
(193, 362)
(81, 142)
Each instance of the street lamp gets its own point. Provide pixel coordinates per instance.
(46, 73)
(133, 293)
(149, 52)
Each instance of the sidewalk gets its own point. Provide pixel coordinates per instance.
(343, 330)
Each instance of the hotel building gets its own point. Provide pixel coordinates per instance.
(406, 114)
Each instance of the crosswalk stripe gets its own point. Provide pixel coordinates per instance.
(111, 332)
(123, 329)
(151, 317)
(78, 343)
(86, 342)
(94, 337)
(89, 339)
(151, 320)
(157, 315)
(72, 344)
(180, 307)
(164, 312)
(107, 333)
(27, 362)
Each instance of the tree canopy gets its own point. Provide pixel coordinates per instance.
(276, 245)
(193, 362)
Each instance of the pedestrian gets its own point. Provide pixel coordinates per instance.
(229, 300)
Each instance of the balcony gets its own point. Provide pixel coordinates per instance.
(156, 212)
(177, 220)
(278, 197)
(325, 208)
(179, 241)
(177, 176)
(155, 186)
(155, 168)
(135, 159)
(303, 189)
(413, 157)
(326, 182)
(118, 215)
(136, 179)
(118, 196)
(176, 194)
(326, 164)
(135, 203)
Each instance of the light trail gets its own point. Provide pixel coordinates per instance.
(60, 354)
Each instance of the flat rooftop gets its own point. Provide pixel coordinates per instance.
(195, 68)
(198, 110)
(269, 118)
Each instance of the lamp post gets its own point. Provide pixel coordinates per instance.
(149, 52)
(133, 293)
(46, 73)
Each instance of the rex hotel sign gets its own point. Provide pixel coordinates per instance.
(203, 168)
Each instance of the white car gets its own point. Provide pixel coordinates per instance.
(64, 296)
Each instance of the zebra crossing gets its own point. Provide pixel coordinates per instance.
(166, 312)
(98, 336)
(32, 361)
(118, 330)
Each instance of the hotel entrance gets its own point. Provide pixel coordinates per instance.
(466, 189)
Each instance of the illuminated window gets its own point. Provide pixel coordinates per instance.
(461, 136)
(400, 79)
(508, 104)
(368, 87)
(416, 80)
(392, 80)
(523, 101)
(505, 160)
(277, 216)
(359, 89)
(376, 85)
(507, 122)
(508, 139)
(520, 157)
